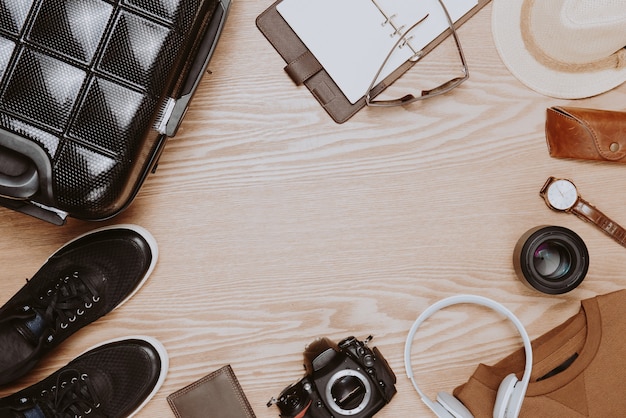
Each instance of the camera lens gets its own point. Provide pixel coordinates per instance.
(551, 259)
(348, 392)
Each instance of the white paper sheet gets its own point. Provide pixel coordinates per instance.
(350, 40)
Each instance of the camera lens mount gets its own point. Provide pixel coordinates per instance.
(551, 259)
(348, 392)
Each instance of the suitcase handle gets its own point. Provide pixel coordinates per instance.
(19, 178)
(199, 67)
(26, 176)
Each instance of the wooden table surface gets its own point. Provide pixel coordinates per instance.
(277, 226)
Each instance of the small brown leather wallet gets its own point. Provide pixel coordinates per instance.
(587, 134)
(217, 395)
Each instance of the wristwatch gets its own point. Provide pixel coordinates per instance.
(561, 195)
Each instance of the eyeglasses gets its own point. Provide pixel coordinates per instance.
(441, 89)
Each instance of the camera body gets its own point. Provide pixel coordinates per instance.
(343, 380)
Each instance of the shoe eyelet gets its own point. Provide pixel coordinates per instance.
(80, 312)
(74, 379)
(72, 319)
(83, 376)
(96, 299)
(88, 305)
(64, 325)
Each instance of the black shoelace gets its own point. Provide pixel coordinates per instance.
(72, 396)
(71, 297)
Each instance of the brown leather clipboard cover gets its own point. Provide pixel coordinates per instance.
(303, 67)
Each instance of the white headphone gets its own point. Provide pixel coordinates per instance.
(511, 391)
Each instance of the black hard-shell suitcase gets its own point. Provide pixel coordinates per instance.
(89, 92)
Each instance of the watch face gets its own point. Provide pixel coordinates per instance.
(562, 194)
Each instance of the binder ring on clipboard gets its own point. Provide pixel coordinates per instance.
(404, 41)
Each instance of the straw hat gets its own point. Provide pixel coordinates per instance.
(567, 49)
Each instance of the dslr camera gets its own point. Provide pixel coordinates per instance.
(342, 380)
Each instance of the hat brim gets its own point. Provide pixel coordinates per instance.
(507, 36)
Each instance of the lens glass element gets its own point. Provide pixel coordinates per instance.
(552, 260)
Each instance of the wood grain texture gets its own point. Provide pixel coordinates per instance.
(276, 225)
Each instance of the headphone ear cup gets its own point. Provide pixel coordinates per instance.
(453, 405)
(506, 396)
(515, 402)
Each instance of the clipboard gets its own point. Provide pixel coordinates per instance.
(304, 69)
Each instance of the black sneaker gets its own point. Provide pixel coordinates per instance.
(115, 379)
(85, 279)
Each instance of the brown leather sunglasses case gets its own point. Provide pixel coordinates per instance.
(587, 134)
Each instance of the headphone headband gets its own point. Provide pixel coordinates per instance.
(471, 299)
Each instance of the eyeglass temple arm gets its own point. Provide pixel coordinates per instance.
(432, 92)
(442, 88)
(448, 85)
(380, 69)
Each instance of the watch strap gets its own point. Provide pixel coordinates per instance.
(589, 213)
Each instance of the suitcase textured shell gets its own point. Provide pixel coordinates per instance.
(86, 90)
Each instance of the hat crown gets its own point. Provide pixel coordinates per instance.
(575, 31)
(594, 12)
(568, 49)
